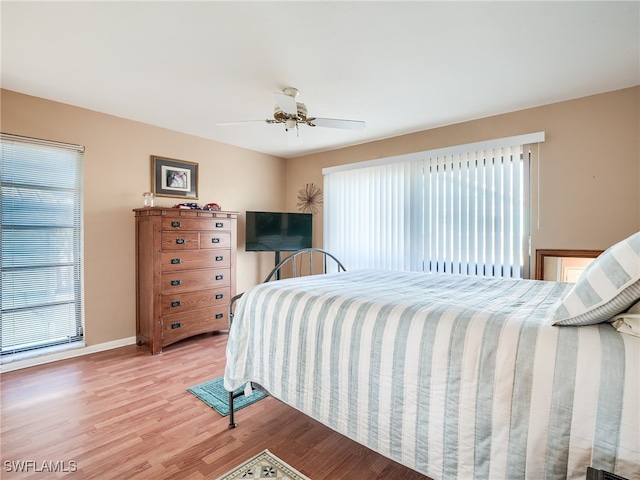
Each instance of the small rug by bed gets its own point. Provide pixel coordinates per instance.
(264, 465)
(213, 394)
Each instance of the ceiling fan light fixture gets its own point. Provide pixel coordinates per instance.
(290, 123)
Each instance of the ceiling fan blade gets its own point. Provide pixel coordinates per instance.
(286, 103)
(336, 123)
(240, 122)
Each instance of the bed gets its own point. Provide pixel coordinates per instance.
(456, 377)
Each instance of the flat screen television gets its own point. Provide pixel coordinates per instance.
(277, 231)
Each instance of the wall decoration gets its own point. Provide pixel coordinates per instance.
(174, 178)
(309, 198)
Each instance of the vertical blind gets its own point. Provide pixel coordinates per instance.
(462, 210)
(359, 225)
(40, 243)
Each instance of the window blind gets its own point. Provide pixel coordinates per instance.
(460, 210)
(362, 224)
(474, 213)
(40, 243)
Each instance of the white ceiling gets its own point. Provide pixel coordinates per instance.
(399, 66)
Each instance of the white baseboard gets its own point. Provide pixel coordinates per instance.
(64, 354)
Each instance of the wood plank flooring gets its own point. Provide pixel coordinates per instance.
(125, 414)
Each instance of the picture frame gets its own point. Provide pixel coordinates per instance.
(174, 178)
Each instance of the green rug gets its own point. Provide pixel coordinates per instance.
(213, 394)
(264, 465)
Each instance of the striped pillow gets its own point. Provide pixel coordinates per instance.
(607, 287)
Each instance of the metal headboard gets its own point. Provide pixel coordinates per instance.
(293, 259)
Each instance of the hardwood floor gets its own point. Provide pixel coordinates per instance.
(126, 414)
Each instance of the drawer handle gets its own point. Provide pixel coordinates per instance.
(219, 277)
(176, 282)
(215, 240)
(175, 224)
(219, 296)
(175, 261)
(180, 241)
(219, 224)
(219, 315)
(176, 303)
(219, 258)
(175, 325)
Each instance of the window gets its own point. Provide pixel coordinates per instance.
(457, 210)
(40, 243)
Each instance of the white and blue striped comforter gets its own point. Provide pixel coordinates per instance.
(456, 377)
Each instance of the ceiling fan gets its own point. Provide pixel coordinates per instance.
(293, 114)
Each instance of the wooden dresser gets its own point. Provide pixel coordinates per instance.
(185, 273)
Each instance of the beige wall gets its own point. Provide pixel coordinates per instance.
(589, 181)
(117, 169)
(589, 166)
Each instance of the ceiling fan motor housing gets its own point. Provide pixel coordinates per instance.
(283, 117)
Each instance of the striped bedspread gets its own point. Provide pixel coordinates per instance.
(456, 377)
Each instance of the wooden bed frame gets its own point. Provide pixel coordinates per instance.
(324, 258)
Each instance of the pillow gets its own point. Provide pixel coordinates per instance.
(628, 322)
(609, 286)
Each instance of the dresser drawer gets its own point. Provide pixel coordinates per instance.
(183, 301)
(183, 325)
(186, 281)
(183, 224)
(180, 240)
(215, 240)
(194, 259)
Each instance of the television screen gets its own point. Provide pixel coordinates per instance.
(277, 231)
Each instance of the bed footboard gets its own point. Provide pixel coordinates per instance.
(308, 261)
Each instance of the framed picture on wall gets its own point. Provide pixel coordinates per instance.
(174, 178)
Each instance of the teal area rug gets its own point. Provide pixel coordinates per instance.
(213, 394)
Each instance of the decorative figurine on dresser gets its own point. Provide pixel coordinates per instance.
(185, 273)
